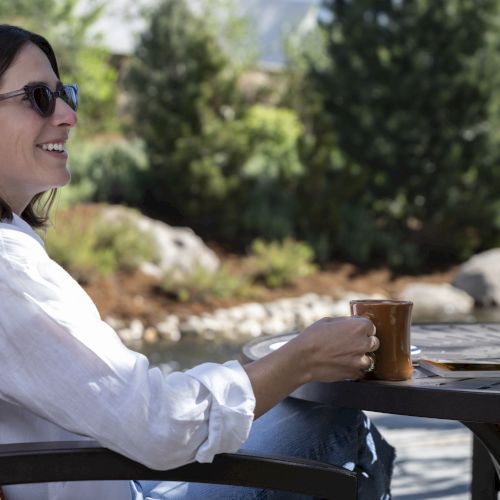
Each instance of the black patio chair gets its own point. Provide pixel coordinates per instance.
(86, 460)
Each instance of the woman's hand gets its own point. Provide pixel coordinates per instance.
(336, 348)
(329, 350)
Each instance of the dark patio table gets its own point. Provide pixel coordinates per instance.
(475, 402)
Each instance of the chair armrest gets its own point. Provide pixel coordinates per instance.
(87, 460)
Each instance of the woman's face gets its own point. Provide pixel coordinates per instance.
(27, 167)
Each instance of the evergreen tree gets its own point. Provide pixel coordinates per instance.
(180, 84)
(407, 97)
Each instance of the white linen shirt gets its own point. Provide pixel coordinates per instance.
(65, 373)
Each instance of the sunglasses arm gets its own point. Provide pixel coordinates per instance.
(14, 93)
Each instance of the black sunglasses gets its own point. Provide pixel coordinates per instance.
(43, 99)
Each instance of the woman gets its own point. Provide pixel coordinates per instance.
(65, 372)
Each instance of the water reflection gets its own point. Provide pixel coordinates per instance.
(192, 350)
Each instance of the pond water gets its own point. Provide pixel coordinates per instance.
(191, 350)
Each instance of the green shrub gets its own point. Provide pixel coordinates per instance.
(238, 177)
(129, 245)
(107, 170)
(281, 264)
(88, 246)
(201, 284)
(270, 173)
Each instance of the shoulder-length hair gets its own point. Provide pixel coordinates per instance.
(12, 40)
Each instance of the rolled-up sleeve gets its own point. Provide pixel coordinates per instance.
(231, 410)
(62, 362)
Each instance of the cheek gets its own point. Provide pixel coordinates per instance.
(22, 148)
(9, 144)
(17, 151)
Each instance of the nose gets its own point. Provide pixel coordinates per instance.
(63, 114)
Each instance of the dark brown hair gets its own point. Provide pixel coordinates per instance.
(12, 40)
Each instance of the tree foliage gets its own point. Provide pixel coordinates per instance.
(385, 146)
(178, 82)
(216, 163)
(406, 99)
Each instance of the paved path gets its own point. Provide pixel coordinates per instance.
(433, 457)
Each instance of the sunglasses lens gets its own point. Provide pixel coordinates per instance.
(43, 100)
(69, 95)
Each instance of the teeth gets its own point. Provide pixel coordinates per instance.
(53, 147)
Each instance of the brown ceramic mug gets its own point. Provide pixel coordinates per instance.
(392, 319)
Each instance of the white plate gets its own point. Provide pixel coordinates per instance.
(415, 351)
(277, 345)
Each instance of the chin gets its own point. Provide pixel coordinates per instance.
(63, 182)
(58, 181)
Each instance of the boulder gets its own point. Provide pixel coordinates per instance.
(433, 300)
(480, 277)
(342, 307)
(179, 249)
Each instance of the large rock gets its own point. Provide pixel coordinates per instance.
(179, 249)
(433, 300)
(480, 277)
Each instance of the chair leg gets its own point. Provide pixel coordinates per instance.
(484, 484)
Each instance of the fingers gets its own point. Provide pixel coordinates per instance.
(346, 344)
(365, 323)
(370, 331)
(362, 322)
(367, 363)
(374, 343)
(359, 329)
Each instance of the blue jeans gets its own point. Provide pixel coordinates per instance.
(297, 428)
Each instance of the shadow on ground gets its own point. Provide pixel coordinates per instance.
(433, 457)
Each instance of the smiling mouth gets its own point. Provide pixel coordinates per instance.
(53, 147)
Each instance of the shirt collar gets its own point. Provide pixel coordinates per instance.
(23, 226)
